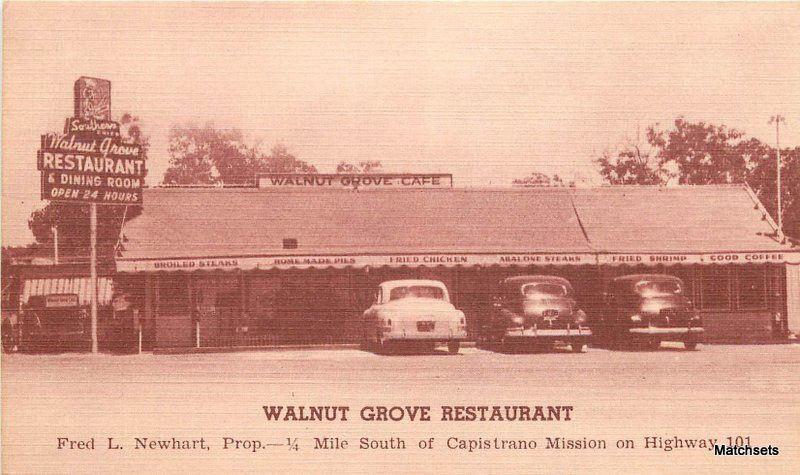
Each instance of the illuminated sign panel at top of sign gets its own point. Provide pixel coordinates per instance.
(93, 98)
(382, 181)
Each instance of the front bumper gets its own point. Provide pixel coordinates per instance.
(667, 330)
(580, 332)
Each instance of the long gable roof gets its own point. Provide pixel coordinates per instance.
(225, 222)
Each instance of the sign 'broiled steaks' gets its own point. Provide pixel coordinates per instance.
(372, 181)
(90, 163)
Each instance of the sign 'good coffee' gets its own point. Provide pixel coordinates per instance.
(382, 181)
(90, 162)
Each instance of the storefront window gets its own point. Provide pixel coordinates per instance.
(752, 288)
(715, 289)
(173, 292)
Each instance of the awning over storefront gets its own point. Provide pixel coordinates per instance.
(70, 285)
(219, 228)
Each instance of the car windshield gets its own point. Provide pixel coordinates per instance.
(420, 291)
(647, 288)
(546, 289)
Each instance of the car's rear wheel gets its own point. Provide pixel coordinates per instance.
(578, 347)
(653, 345)
(380, 344)
(453, 347)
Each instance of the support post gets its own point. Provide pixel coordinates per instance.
(197, 334)
(93, 278)
(777, 119)
(55, 244)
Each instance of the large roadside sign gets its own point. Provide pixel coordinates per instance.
(89, 162)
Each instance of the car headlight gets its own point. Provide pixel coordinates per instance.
(636, 318)
(518, 320)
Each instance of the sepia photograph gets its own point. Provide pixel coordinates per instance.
(400, 237)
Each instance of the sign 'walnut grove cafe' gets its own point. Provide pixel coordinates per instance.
(90, 163)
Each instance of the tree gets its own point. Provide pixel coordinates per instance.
(536, 179)
(207, 155)
(700, 154)
(631, 165)
(280, 160)
(72, 219)
(204, 155)
(369, 166)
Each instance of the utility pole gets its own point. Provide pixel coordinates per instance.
(777, 119)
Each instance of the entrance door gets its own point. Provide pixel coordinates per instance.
(227, 306)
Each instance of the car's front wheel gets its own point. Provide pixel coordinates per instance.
(690, 345)
(378, 343)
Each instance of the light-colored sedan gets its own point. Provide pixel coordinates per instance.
(413, 311)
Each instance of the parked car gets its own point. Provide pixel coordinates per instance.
(54, 323)
(413, 311)
(536, 310)
(648, 309)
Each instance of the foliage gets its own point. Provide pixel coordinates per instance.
(536, 179)
(700, 154)
(207, 155)
(631, 165)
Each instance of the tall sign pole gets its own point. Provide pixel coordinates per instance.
(90, 163)
(93, 275)
(777, 119)
(92, 101)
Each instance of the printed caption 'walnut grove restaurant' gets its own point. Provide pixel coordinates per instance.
(297, 260)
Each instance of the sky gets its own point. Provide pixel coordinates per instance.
(488, 92)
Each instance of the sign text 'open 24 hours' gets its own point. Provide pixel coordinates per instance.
(90, 163)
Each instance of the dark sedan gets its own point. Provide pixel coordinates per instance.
(647, 309)
(538, 310)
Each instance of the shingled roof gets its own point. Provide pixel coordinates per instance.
(242, 222)
(675, 219)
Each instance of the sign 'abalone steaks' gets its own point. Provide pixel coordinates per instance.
(380, 181)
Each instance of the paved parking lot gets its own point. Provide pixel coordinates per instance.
(715, 391)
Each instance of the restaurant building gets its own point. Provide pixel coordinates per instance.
(216, 267)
